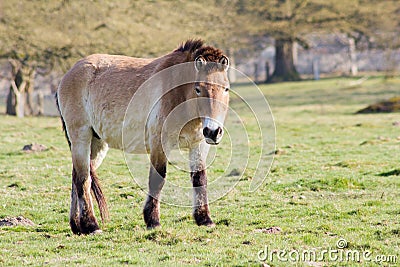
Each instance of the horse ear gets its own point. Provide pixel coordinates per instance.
(224, 61)
(199, 63)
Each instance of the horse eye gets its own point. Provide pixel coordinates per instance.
(197, 89)
(226, 89)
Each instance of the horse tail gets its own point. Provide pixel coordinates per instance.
(62, 121)
(98, 194)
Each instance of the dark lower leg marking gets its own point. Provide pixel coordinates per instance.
(87, 222)
(74, 226)
(202, 216)
(74, 212)
(151, 213)
(201, 212)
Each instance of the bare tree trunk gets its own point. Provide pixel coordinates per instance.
(11, 103)
(284, 65)
(20, 104)
(40, 103)
(16, 101)
(256, 72)
(353, 57)
(29, 104)
(21, 90)
(29, 109)
(295, 53)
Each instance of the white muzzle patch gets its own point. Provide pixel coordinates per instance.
(212, 131)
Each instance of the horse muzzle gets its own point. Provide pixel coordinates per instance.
(212, 131)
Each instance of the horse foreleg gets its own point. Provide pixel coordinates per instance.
(201, 212)
(151, 211)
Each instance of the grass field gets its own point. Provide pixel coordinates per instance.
(335, 176)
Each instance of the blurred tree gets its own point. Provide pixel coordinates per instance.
(40, 36)
(26, 53)
(288, 21)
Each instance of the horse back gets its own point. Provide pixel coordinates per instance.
(96, 92)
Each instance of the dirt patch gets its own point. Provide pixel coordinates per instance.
(391, 105)
(235, 172)
(270, 230)
(34, 148)
(16, 221)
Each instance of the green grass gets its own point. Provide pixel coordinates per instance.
(336, 176)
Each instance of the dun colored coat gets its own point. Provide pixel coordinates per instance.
(93, 98)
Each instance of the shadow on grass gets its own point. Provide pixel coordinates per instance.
(395, 172)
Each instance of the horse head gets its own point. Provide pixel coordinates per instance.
(212, 92)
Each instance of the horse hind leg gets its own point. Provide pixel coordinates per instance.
(74, 211)
(82, 182)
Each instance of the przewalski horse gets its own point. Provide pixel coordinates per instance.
(93, 98)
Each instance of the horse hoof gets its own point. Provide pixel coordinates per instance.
(203, 220)
(153, 226)
(208, 223)
(211, 225)
(96, 232)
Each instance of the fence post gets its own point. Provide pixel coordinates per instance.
(267, 74)
(255, 72)
(315, 67)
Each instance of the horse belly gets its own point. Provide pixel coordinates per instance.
(134, 139)
(112, 127)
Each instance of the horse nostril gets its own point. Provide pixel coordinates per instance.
(206, 132)
(219, 131)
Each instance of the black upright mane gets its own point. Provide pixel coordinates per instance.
(190, 46)
(196, 47)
